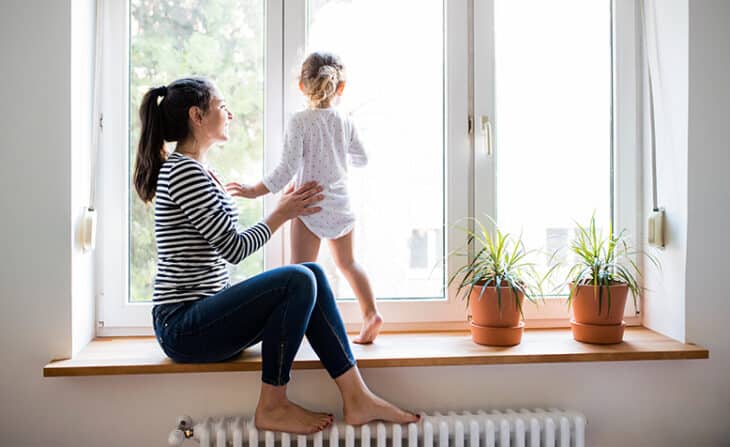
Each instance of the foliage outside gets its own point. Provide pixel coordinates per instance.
(501, 260)
(604, 261)
(220, 39)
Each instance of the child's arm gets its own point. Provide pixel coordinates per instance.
(356, 150)
(291, 158)
(247, 191)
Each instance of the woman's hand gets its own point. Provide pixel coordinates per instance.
(295, 203)
(246, 191)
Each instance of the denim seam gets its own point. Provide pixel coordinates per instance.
(273, 382)
(282, 344)
(332, 328)
(280, 374)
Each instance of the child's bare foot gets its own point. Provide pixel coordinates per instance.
(372, 408)
(370, 328)
(288, 417)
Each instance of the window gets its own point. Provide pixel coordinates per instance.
(407, 94)
(553, 85)
(547, 95)
(389, 75)
(152, 43)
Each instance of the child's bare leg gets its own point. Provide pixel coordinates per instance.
(342, 249)
(304, 243)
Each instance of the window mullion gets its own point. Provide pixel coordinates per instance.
(627, 159)
(274, 251)
(484, 163)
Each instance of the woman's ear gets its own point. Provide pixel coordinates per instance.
(195, 115)
(301, 86)
(340, 88)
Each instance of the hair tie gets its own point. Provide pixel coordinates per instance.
(328, 70)
(162, 91)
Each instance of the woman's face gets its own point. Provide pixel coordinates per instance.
(216, 119)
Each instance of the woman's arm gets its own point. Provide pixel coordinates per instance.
(197, 196)
(295, 203)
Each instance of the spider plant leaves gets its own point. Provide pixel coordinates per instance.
(603, 261)
(500, 260)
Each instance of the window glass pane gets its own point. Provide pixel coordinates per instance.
(221, 39)
(553, 117)
(393, 54)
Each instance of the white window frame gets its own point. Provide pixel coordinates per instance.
(468, 56)
(115, 315)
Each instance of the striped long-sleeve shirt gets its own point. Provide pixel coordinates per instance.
(196, 232)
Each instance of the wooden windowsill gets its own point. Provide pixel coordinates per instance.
(142, 355)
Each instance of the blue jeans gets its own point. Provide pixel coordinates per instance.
(277, 307)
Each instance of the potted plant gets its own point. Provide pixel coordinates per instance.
(600, 280)
(495, 283)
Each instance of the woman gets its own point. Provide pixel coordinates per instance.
(198, 316)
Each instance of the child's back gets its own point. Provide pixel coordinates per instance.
(317, 146)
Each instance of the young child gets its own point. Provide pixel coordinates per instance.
(317, 144)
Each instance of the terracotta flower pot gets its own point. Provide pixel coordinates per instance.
(585, 304)
(497, 336)
(599, 334)
(492, 324)
(593, 320)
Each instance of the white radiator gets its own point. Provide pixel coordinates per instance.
(509, 428)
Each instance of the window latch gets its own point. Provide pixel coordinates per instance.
(486, 125)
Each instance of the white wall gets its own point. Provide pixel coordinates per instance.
(664, 299)
(708, 239)
(82, 74)
(672, 403)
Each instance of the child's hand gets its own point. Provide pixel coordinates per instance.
(241, 190)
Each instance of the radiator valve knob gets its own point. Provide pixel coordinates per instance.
(176, 438)
(184, 422)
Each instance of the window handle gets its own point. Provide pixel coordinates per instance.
(487, 132)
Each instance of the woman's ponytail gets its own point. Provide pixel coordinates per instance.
(166, 120)
(151, 148)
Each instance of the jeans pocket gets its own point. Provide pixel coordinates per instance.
(163, 315)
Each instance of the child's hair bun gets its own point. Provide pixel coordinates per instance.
(328, 71)
(321, 74)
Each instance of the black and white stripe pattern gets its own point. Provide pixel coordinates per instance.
(195, 230)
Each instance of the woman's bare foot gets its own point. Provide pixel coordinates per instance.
(288, 417)
(370, 328)
(276, 412)
(370, 407)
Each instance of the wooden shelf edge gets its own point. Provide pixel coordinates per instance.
(113, 356)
